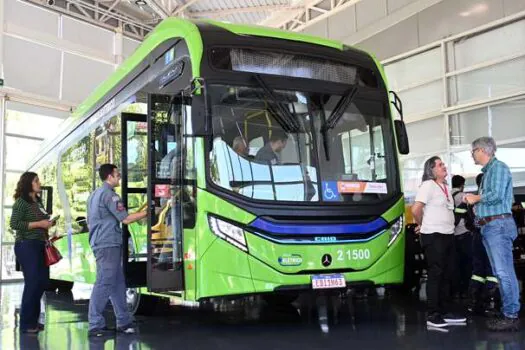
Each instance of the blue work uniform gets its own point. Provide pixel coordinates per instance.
(105, 213)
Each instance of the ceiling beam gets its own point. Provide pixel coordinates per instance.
(105, 16)
(311, 13)
(226, 12)
(158, 9)
(181, 10)
(89, 15)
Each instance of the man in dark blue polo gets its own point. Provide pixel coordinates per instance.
(498, 229)
(105, 212)
(270, 152)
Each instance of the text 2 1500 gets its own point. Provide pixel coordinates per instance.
(353, 254)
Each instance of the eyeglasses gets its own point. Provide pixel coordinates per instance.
(474, 151)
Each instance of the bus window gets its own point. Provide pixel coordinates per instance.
(107, 145)
(76, 164)
(297, 148)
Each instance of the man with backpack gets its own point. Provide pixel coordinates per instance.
(463, 223)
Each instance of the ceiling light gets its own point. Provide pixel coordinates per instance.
(475, 10)
(140, 3)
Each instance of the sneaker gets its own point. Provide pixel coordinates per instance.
(503, 324)
(437, 329)
(127, 329)
(436, 320)
(453, 318)
(100, 332)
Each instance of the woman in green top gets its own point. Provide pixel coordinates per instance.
(31, 223)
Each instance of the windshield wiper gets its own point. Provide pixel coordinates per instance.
(334, 117)
(283, 116)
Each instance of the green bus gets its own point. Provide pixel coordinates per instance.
(313, 200)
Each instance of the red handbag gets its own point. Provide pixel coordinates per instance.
(51, 253)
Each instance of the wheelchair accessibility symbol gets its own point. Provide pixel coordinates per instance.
(330, 192)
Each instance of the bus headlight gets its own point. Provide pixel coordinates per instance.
(396, 229)
(228, 232)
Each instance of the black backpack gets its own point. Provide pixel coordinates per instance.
(465, 212)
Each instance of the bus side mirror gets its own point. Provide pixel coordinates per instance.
(402, 137)
(47, 198)
(399, 125)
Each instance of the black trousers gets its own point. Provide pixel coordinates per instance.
(439, 254)
(463, 265)
(480, 261)
(483, 284)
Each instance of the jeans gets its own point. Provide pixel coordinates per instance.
(439, 252)
(109, 285)
(498, 236)
(30, 255)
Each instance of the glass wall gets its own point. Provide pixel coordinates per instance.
(25, 127)
(459, 89)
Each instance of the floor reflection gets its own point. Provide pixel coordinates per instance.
(356, 321)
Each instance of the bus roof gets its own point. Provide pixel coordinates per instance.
(176, 27)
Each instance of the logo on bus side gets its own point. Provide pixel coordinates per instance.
(290, 260)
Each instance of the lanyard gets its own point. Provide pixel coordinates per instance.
(444, 189)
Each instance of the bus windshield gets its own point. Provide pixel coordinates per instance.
(283, 145)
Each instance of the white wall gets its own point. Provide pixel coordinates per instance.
(56, 56)
(391, 27)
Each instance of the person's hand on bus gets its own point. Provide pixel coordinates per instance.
(135, 217)
(143, 207)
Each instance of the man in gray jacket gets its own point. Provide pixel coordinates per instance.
(105, 212)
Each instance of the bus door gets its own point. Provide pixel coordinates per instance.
(165, 270)
(134, 170)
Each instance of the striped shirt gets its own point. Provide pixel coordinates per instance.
(496, 190)
(24, 213)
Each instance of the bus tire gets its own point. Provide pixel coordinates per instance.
(133, 300)
(140, 304)
(61, 286)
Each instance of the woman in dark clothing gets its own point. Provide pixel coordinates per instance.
(31, 223)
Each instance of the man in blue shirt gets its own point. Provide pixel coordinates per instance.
(498, 229)
(105, 212)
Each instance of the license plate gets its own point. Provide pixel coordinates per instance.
(328, 281)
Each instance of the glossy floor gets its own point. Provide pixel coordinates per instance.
(390, 322)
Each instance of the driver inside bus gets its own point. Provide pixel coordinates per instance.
(269, 153)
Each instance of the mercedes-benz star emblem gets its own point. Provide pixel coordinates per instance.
(326, 260)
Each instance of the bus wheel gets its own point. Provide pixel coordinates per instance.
(141, 304)
(133, 299)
